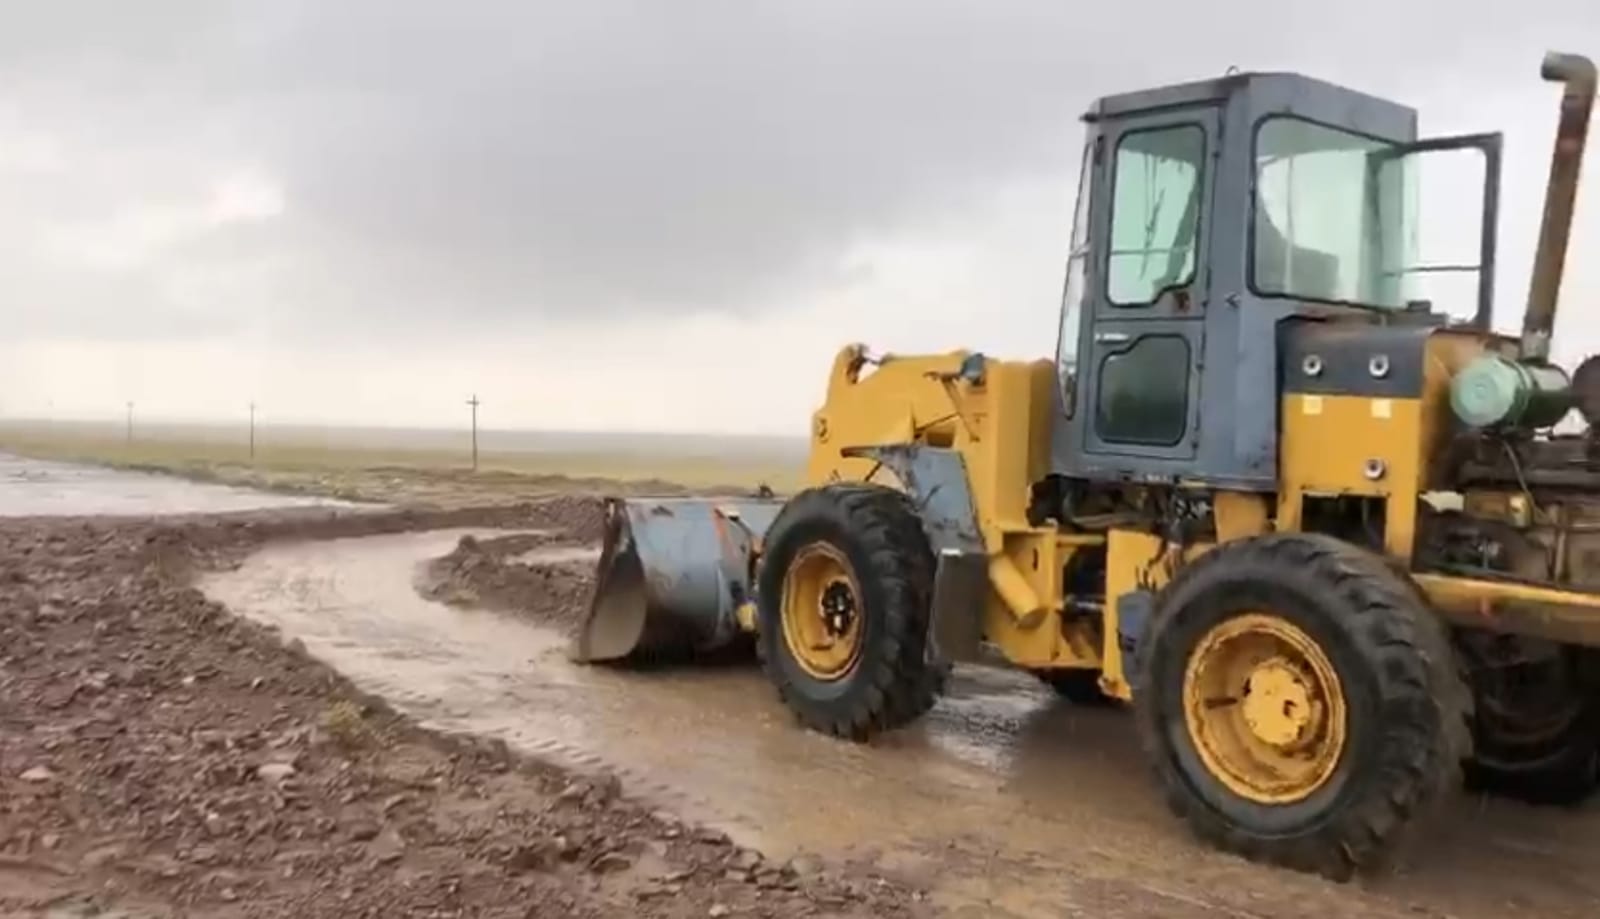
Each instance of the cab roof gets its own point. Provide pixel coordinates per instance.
(1275, 85)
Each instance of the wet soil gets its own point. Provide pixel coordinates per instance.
(161, 756)
(547, 575)
(1004, 800)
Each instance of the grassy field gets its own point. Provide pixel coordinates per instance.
(425, 467)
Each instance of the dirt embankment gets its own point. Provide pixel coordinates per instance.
(161, 756)
(547, 576)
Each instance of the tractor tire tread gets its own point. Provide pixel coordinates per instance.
(1425, 703)
(902, 685)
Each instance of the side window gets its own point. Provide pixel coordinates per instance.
(1072, 296)
(1143, 392)
(1155, 213)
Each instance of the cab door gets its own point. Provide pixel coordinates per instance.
(1142, 378)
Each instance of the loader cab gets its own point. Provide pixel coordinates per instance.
(1211, 213)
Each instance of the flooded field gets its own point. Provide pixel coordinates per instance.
(1004, 801)
(33, 487)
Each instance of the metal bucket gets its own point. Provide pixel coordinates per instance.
(673, 576)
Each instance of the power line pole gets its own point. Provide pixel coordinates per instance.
(474, 403)
(252, 432)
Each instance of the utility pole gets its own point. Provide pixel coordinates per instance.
(252, 432)
(130, 424)
(474, 403)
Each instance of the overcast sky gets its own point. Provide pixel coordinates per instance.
(650, 215)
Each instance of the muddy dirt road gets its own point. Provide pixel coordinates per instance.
(1004, 801)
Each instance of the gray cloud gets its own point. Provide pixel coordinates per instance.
(495, 161)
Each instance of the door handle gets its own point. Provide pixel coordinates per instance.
(1112, 338)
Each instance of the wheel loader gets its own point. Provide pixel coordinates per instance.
(1336, 546)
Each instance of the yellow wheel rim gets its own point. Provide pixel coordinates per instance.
(1265, 708)
(822, 612)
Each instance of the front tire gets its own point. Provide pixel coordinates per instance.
(845, 587)
(1299, 703)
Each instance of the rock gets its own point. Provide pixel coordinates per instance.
(711, 837)
(611, 862)
(718, 910)
(573, 792)
(201, 855)
(536, 856)
(100, 856)
(274, 772)
(387, 848)
(605, 789)
(747, 860)
(37, 774)
(803, 866)
(50, 840)
(363, 831)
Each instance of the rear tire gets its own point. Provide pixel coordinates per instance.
(844, 590)
(1536, 728)
(1327, 792)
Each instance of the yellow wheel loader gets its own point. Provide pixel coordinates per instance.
(1322, 534)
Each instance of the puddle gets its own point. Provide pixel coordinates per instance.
(42, 488)
(555, 555)
(1003, 800)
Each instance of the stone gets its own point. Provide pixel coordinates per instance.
(611, 862)
(274, 772)
(37, 774)
(804, 866)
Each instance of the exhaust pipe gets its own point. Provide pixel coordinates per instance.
(1577, 101)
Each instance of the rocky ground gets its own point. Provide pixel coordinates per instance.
(159, 756)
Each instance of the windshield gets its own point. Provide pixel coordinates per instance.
(1320, 232)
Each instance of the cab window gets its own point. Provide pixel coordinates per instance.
(1155, 213)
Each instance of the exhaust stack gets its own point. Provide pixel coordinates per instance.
(1577, 101)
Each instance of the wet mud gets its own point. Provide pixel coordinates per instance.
(1004, 800)
(539, 574)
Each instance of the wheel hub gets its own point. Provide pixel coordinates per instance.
(1278, 704)
(1264, 708)
(821, 613)
(837, 608)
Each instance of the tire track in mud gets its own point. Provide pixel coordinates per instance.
(1004, 801)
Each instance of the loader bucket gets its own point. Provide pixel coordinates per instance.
(672, 575)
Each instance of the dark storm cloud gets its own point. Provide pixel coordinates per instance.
(477, 160)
